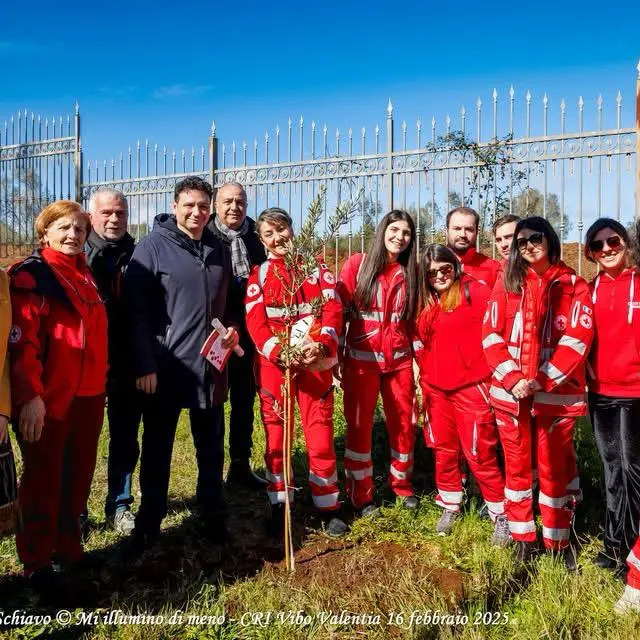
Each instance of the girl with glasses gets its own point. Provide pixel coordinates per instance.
(536, 336)
(378, 294)
(454, 378)
(614, 390)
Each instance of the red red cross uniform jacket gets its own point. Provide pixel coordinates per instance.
(267, 317)
(454, 377)
(544, 334)
(483, 268)
(377, 359)
(615, 354)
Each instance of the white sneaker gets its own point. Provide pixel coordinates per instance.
(629, 601)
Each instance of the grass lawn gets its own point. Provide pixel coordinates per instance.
(391, 577)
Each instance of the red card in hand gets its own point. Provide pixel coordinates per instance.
(214, 352)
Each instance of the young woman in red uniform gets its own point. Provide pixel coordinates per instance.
(536, 336)
(614, 386)
(378, 291)
(454, 378)
(268, 311)
(58, 348)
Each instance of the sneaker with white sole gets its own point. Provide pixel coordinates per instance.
(501, 535)
(446, 522)
(124, 522)
(629, 601)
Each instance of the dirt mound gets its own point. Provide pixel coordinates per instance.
(350, 568)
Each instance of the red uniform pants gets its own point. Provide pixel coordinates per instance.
(314, 393)
(55, 484)
(556, 471)
(633, 562)
(361, 391)
(462, 421)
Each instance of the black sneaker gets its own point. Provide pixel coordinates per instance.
(241, 474)
(410, 502)
(621, 572)
(369, 510)
(524, 552)
(334, 527)
(606, 559)
(570, 558)
(216, 532)
(44, 581)
(139, 543)
(275, 524)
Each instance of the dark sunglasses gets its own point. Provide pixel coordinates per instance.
(535, 239)
(613, 242)
(446, 271)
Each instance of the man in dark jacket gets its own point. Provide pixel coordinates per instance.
(177, 281)
(238, 232)
(109, 248)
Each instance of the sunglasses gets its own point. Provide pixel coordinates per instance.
(535, 239)
(613, 242)
(445, 271)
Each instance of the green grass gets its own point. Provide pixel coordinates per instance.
(390, 570)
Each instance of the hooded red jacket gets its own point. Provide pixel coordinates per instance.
(451, 355)
(615, 354)
(543, 333)
(58, 342)
(378, 339)
(480, 267)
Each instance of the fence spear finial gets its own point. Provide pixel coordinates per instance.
(638, 68)
(213, 128)
(389, 109)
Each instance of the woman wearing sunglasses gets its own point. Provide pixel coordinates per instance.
(454, 378)
(614, 390)
(378, 291)
(536, 336)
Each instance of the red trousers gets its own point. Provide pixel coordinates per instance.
(633, 562)
(314, 392)
(556, 472)
(361, 391)
(55, 484)
(462, 421)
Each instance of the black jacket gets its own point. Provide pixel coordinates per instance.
(107, 260)
(173, 289)
(257, 255)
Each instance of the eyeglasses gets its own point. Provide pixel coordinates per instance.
(445, 271)
(613, 242)
(535, 239)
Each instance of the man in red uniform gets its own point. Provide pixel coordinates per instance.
(462, 233)
(503, 229)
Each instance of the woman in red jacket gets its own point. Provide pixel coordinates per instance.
(614, 387)
(378, 291)
(58, 347)
(536, 336)
(454, 378)
(271, 305)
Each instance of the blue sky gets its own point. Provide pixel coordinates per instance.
(144, 69)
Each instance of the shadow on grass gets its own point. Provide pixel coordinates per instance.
(179, 566)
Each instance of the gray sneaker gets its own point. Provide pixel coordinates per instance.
(446, 521)
(124, 522)
(501, 535)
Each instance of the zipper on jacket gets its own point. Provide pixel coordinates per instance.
(474, 445)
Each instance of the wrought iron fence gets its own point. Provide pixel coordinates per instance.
(517, 154)
(40, 160)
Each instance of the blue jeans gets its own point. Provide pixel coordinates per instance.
(124, 410)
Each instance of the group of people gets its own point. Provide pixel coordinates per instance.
(506, 353)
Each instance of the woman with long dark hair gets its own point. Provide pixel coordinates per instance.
(614, 387)
(536, 336)
(454, 378)
(378, 291)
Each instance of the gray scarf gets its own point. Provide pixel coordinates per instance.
(239, 256)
